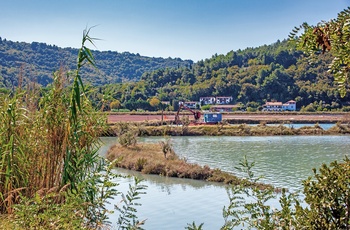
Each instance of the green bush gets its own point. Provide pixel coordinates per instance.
(326, 195)
(128, 138)
(205, 107)
(51, 176)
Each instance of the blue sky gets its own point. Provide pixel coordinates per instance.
(189, 29)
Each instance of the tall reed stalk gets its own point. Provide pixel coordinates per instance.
(48, 139)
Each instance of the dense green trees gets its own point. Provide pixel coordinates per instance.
(270, 72)
(275, 72)
(39, 60)
(332, 36)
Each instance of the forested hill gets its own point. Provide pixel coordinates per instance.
(251, 76)
(37, 61)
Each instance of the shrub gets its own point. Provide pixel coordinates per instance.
(51, 175)
(326, 195)
(128, 138)
(140, 163)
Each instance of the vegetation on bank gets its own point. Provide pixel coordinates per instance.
(44, 128)
(51, 176)
(262, 129)
(160, 159)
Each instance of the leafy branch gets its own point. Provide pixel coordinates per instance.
(127, 218)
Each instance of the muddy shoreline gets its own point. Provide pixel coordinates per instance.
(237, 118)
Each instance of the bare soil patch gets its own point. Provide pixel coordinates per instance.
(235, 117)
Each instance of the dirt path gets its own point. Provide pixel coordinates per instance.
(239, 117)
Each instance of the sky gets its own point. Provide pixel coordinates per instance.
(186, 29)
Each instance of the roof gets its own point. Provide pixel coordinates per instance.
(274, 103)
(224, 106)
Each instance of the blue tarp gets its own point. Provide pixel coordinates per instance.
(212, 117)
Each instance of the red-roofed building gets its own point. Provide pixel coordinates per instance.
(279, 106)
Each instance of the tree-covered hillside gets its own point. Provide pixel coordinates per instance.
(251, 76)
(37, 61)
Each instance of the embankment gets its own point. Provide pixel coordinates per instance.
(149, 158)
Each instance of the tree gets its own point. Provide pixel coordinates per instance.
(154, 102)
(326, 194)
(332, 36)
(115, 104)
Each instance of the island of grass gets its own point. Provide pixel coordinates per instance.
(160, 159)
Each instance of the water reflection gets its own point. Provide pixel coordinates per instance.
(171, 203)
(285, 161)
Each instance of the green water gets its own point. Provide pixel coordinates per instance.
(284, 161)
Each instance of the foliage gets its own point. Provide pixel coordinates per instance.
(115, 104)
(205, 107)
(193, 226)
(47, 142)
(126, 135)
(326, 195)
(39, 60)
(51, 209)
(44, 211)
(280, 73)
(128, 138)
(154, 102)
(51, 176)
(332, 36)
(167, 147)
(128, 218)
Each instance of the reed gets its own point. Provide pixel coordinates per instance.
(48, 139)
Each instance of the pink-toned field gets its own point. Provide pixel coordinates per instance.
(241, 117)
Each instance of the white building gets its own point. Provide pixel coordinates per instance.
(290, 106)
(279, 106)
(190, 104)
(273, 106)
(207, 100)
(223, 100)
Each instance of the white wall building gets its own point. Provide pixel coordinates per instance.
(279, 106)
(290, 106)
(223, 100)
(207, 100)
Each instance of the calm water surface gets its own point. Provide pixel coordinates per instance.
(284, 161)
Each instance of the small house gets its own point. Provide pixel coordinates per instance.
(191, 104)
(223, 100)
(278, 106)
(207, 100)
(290, 106)
(273, 106)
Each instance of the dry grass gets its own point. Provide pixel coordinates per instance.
(149, 158)
(234, 130)
(7, 222)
